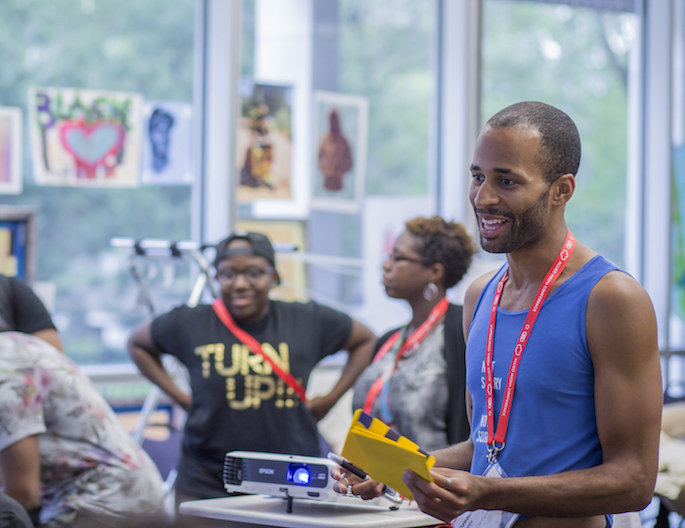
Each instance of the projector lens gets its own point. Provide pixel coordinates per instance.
(299, 474)
(302, 476)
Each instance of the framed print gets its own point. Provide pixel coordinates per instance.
(340, 132)
(17, 242)
(85, 137)
(264, 152)
(287, 237)
(167, 143)
(10, 150)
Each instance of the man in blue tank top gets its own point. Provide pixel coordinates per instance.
(563, 379)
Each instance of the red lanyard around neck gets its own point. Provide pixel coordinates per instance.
(414, 339)
(496, 439)
(222, 313)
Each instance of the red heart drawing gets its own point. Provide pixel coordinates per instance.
(92, 145)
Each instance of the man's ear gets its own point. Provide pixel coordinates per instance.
(276, 278)
(563, 188)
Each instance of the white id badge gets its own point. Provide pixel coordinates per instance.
(487, 518)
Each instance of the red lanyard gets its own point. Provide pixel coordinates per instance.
(221, 311)
(414, 339)
(496, 439)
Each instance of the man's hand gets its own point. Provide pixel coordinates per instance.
(366, 489)
(451, 493)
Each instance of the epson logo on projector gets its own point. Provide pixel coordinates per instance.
(266, 471)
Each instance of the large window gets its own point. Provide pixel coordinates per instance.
(387, 54)
(383, 53)
(582, 60)
(143, 47)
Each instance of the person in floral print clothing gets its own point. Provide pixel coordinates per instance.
(64, 456)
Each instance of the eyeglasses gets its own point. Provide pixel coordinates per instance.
(392, 258)
(252, 274)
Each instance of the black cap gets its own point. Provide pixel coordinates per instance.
(261, 247)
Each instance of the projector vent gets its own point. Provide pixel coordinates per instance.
(233, 471)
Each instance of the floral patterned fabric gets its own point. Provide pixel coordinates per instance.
(89, 463)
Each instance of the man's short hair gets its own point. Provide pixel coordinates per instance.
(559, 151)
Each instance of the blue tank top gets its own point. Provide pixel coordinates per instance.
(552, 427)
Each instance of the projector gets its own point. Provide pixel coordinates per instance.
(290, 476)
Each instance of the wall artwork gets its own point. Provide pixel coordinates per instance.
(167, 143)
(264, 142)
(340, 132)
(17, 242)
(85, 137)
(10, 150)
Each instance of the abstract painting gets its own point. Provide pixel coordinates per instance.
(85, 137)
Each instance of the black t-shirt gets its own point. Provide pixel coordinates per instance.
(20, 308)
(238, 402)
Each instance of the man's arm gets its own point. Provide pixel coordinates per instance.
(360, 345)
(20, 472)
(621, 334)
(148, 359)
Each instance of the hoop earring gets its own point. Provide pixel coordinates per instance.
(430, 292)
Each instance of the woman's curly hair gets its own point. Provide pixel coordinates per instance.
(445, 242)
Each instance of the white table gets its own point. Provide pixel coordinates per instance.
(271, 511)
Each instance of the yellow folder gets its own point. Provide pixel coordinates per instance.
(383, 453)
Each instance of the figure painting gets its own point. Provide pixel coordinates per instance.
(334, 156)
(167, 145)
(264, 150)
(341, 128)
